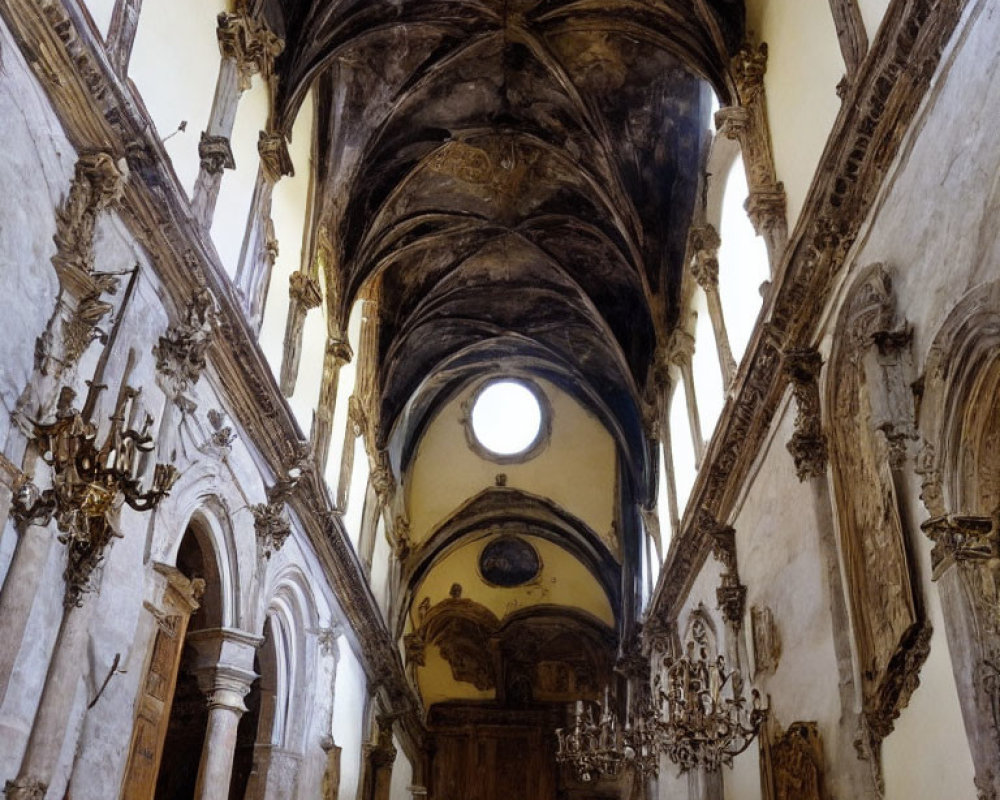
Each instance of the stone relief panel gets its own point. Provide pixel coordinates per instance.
(891, 634)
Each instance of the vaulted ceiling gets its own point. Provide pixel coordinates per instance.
(517, 178)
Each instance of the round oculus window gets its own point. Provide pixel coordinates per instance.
(506, 418)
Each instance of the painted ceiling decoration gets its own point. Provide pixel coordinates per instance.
(510, 183)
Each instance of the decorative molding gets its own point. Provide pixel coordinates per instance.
(275, 159)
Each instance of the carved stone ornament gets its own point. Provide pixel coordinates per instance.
(274, 156)
(180, 352)
(749, 66)
(25, 789)
(704, 243)
(272, 527)
(797, 763)
(808, 443)
(247, 40)
(304, 289)
(216, 154)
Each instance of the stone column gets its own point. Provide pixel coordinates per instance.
(224, 669)
(747, 123)
(704, 245)
(247, 48)
(808, 448)
(304, 294)
(18, 594)
(664, 397)
(68, 667)
(338, 353)
(966, 563)
(381, 757)
(680, 353)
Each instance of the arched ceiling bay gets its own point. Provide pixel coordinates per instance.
(517, 178)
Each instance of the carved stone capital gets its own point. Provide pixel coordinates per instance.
(962, 538)
(732, 122)
(704, 243)
(25, 788)
(304, 289)
(749, 66)
(766, 208)
(415, 646)
(931, 491)
(246, 40)
(274, 156)
(724, 546)
(216, 154)
(680, 348)
(339, 350)
(808, 444)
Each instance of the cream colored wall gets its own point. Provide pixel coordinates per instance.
(872, 12)
(174, 63)
(436, 683)
(100, 12)
(236, 191)
(576, 469)
(803, 69)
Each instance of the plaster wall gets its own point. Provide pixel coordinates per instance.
(575, 468)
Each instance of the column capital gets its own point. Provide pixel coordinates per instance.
(807, 446)
(274, 156)
(224, 665)
(339, 350)
(962, 538)
(304, 289)
(704, 243)
(680, 348)
(749, 66)
(26, 788)
(766, 207)
(246, 39)
(180, 351)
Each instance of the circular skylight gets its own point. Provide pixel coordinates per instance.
(506, 418)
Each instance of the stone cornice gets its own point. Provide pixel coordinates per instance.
(98, 112)
(876, 113)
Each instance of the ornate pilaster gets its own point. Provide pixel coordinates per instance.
(304, 295)
(703, 244)
(808, 444)
(747, 124)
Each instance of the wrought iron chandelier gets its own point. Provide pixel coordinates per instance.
(89, 482)
(600, 747)
(703, 718)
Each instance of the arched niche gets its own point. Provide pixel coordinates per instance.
(959, 467)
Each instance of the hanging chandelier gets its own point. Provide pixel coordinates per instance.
(600, 748)
(701, 719)
(704, 719)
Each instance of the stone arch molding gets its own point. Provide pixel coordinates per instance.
(959, 469)
(870, 423)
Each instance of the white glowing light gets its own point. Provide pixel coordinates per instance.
(506, 418)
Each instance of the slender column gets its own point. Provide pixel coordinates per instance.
(68, 666)
(224, 672)
(338, 353)
(247, 47)
(665, 395)
(304, 294)
(705, 244)
(121, 34)
(851, 34)
(681, 351)
(18, 594)
(381, 757)
(808, 447)
(747, 123)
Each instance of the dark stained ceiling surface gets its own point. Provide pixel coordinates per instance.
(517, 177)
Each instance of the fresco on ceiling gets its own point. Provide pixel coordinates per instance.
(509, 561)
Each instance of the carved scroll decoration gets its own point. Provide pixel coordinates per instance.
(892, 635)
